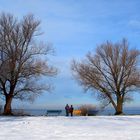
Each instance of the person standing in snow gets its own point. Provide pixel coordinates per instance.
(71, 110)
(67, 110)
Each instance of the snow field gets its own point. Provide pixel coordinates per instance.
(70, 128)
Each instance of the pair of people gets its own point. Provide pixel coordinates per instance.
(69, 110)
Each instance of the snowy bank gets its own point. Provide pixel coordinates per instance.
(67, 128)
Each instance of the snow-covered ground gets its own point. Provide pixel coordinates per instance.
(70, 128)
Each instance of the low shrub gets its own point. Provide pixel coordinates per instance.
(20, 112)
(88, 110)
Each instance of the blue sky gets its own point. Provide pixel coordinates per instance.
(75, 27)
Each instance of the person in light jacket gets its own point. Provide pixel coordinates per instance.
(67, 109)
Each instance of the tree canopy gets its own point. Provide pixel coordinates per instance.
(22, 59)
(112, 71)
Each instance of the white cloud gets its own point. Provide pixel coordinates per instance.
(134, 23)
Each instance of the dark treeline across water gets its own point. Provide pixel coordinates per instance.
(42, 112)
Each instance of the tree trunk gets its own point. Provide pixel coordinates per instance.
(119, 108)
(7, 106)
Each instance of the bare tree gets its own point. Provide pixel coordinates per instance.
(113, 71)
(22, 60)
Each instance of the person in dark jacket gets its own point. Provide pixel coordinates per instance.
(71, 110)
(67, 109)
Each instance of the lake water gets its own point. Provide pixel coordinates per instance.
(40, 112)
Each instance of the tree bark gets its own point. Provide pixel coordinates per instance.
(119, 108)
(7, 106)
